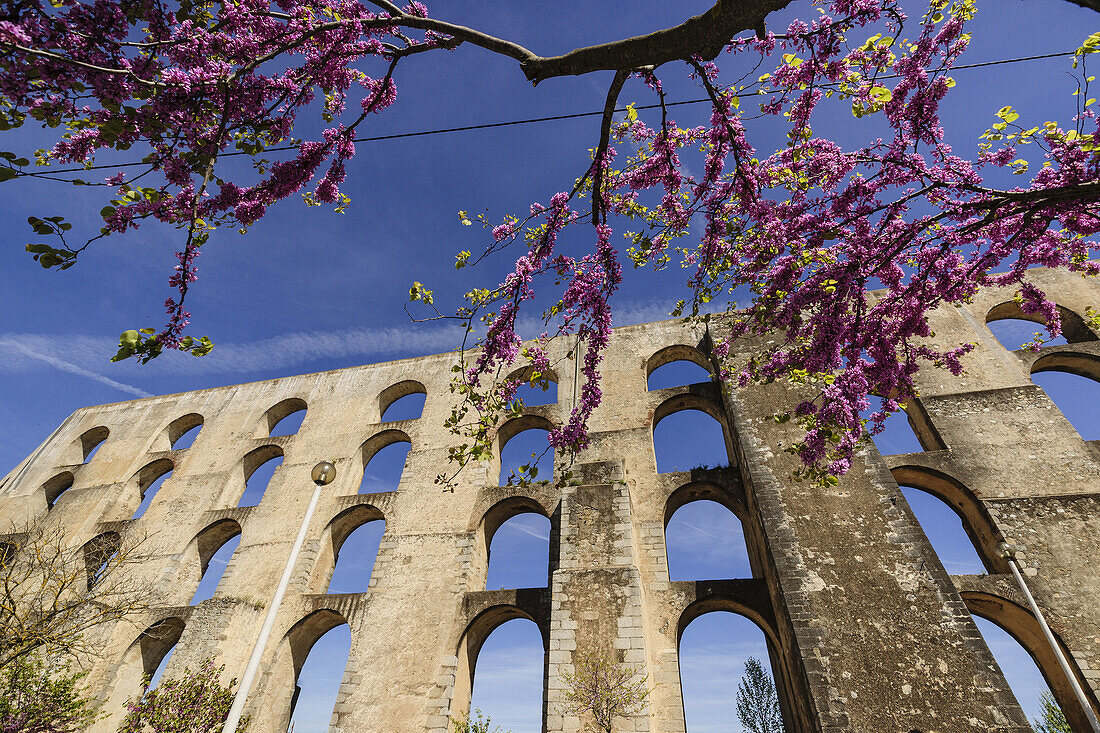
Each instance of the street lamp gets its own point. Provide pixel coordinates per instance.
(1008, 552)
(323, 474)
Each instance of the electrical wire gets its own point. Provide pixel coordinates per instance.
(527, 121)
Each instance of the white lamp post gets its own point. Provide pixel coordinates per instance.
(323, 474)
(1008, 552)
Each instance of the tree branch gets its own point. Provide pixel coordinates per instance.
(703, 35)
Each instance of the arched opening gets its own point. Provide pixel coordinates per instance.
(715, 650)
(350, 549)
(1016, 623)
(402, 401)
(383, 458)
(704, 540)
(91, 441)
(1013, 328)
(98, 553)
(259, 468)
(300, 697)
(676, 366)
(906, 431)
(212, 550)
(318, 681)
(525, 450)
(518, 550)
(57, 486)
(957, 525)
(536, 388)
(285, 418)
(1015, 333)
(1072, 381)
(688, 432)
(183, 430)
(945, 532)
(147, 658)
(508, 676)
(148, 481)
(505, 677)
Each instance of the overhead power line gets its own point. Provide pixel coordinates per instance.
(531, 120)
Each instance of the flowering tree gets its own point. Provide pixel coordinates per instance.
(801, 232)
(195, 702)
(604, 690)
(38, 699)
(475, 723)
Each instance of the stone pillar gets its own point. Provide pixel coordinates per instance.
(885, 640)
(596, 597)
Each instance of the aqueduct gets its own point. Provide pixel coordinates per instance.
(866, 629)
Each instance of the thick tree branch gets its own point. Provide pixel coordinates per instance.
(703, 35)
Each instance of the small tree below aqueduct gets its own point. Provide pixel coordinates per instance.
(604, 690)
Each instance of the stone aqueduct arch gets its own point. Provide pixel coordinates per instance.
(866, 630)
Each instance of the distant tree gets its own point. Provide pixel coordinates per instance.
(195, 702)
(52, 593)
(605, 690)
(1053, 720)
(475, 723)
(37, 699)
(757, 703)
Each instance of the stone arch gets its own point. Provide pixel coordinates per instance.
(278, 699)
(258, 457)
(376, 443)
(525, 373)
(277, 413)
(1022, 626)
(145, 477)
(698, 401)
(517, 425)
(511, 429)
(181, 425)
(917, 420)
(677, 352)
(690, 401)
(97, 553)
(492, 520)
(1074, 327)
(394, 392)
(976, 520)
(332, 539)
(57, 486)
(142, 657)
(197, 555)
(790, 686)
(704, 490)
(90, 440)
(248, 466)
(1071, 362)
(547, 376)
(469, 646)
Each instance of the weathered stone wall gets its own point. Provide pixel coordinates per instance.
(867, 631)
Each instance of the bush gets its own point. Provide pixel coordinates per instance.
(35, 699)
(196, 702)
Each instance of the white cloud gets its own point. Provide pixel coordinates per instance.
(30, 354)
(84, 355)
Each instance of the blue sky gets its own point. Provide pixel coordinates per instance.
(308, 290)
